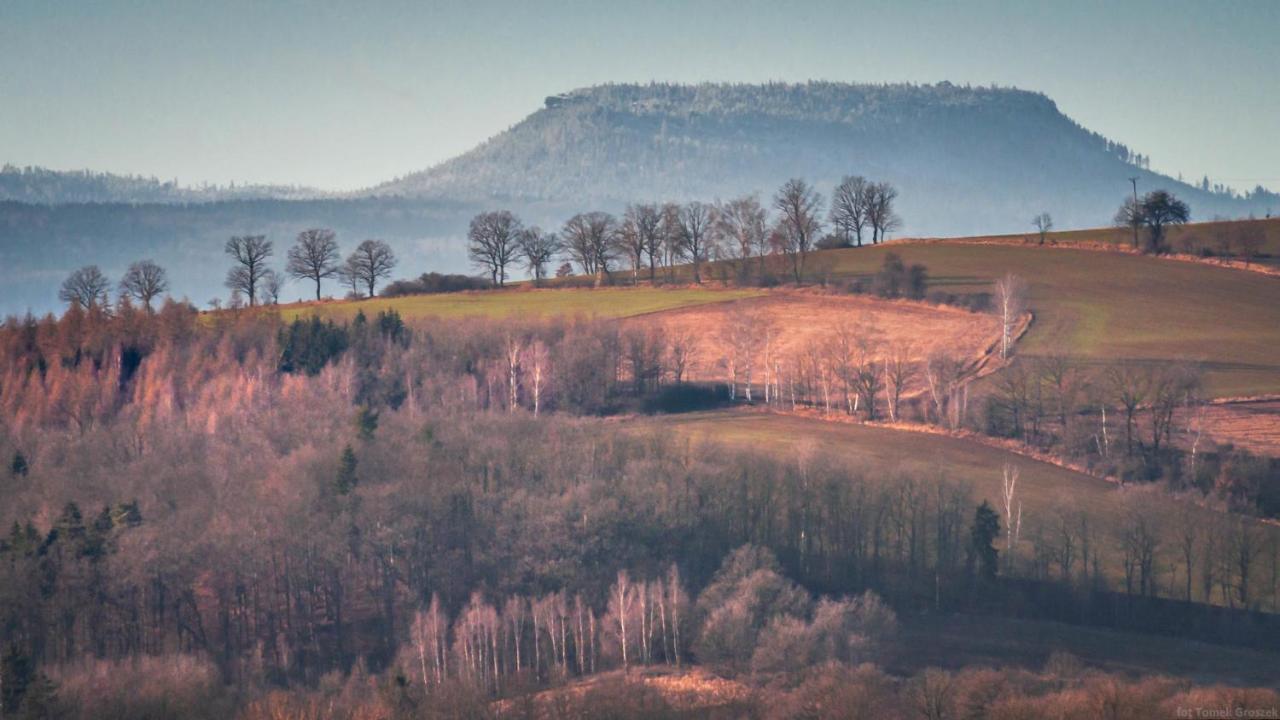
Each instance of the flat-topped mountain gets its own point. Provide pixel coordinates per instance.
(967, 159)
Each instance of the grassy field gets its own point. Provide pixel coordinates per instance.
(1098, 306)
(1182, 238)
(603, 302)
(1048, 492)
(1047, 487)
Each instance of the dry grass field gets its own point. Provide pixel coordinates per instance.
(1254, 426)
(798, 321)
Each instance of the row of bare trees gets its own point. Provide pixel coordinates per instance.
(1122, 409)
(659, 236)
(143, 282)
(314, 257)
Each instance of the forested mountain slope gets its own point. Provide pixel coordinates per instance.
(44, 186)
(967, 159)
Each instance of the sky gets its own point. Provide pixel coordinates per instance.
(341, 96)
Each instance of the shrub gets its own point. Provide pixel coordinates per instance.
(744, 596)
(166, 686)
(845, 630)
(434, 282)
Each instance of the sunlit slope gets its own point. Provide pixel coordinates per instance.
(1102, 306)
(1217, 237)
(523, 302)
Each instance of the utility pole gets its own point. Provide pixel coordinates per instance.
(1134, 220)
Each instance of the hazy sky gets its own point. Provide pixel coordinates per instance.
(342, 96)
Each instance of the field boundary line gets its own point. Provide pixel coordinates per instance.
(1101, 247)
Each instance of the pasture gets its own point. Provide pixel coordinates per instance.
(1097, 307)
(524, 301)
(1219, 237)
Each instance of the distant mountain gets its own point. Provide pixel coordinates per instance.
(967, 160)
(54, 187)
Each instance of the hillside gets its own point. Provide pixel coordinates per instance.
(1052, 495)
(1101, 306)
(1089, 305)
(966, 159)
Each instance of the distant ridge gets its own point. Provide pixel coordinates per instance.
(42, 186)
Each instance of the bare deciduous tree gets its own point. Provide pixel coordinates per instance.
(250, 253)
(695, 221)
(741, 232)
(1011, 302)
(630, 245)
(85, 287)
(314, 256)
(1130, 216)
(372, 261)
(681, 351)
(1043, 224)
(538, 249)
(799, 206)
(588, 239)
(537, 362)
(1130, 384)
(880, 213)
(646, 220)
(1012, 510)
(493, 242)
(1140, 544)
(272, 284)
(948, 393)
(899, 371)
(144, 281)
(849, 205)
(621, 600)
(671, 237)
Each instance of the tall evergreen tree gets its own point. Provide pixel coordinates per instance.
(983, 556)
